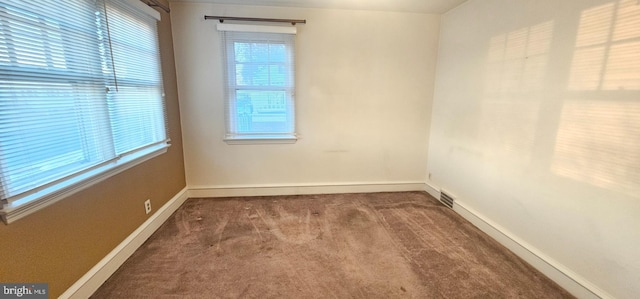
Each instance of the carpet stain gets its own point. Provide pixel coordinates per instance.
(377, 245)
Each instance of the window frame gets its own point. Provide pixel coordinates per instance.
(22, 203)
(267, 35)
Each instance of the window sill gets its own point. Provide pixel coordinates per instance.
(42, 198)
(261, 139)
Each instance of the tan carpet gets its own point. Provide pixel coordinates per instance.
(375, 245)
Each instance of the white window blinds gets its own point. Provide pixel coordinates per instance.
(80, 95)
(260, 65)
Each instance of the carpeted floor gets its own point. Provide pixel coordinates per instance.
(374, 245)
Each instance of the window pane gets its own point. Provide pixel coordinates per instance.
(135, 54)
(136, 107)
(259, 52)
(53, 37)
(252, 74)
(52, 102)
(137, 117)
(49, 133)
(262, 111)
(242, 52)
(278, 75)
(277, 53)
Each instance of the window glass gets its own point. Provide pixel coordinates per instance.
(260, 87)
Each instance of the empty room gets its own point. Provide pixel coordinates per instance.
(320, 149)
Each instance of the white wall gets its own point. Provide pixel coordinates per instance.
(363, 104)
(536, 125)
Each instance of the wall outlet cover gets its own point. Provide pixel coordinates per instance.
(147, 206)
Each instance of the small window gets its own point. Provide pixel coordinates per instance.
(260, 84)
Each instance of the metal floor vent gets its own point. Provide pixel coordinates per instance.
(446, 199)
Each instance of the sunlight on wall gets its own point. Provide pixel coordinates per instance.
(598, 140)
(518, 59)
(623, 67)
(517, 62)
(607, 46)
(599, 143)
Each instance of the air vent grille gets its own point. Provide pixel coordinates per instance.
(446, 199)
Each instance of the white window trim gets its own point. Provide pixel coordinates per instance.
(51, 194)
(261, 140)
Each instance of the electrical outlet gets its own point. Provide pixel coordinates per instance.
(147, 206)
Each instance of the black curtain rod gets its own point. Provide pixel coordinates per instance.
(222, 19)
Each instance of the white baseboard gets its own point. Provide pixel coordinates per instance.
(433, 191)
(92, 280)
(569, 280)
(328, 188)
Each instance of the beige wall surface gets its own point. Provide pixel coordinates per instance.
(536, 125)
(363, 98)
(60, 243)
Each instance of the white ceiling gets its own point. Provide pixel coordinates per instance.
(420, 6)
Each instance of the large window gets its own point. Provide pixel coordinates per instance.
(81, 96)
(260, 83)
